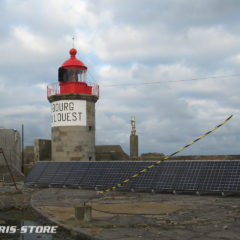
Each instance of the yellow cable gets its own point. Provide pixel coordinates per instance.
(165, 158)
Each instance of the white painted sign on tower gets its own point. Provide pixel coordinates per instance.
(69, 113)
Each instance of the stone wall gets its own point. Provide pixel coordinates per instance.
(10, 142)
(134, 147)
(28, 155)
(110, 153)
(151, 156)
(42, 150)
(206, 157)
(159, 156)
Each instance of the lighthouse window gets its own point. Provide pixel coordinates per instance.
(71, 75)
(61, 73)
(80, 75)
(65, 75)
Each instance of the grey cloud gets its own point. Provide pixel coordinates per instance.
(179, 14)
(127, 42)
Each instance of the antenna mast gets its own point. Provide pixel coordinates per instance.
(73, 41)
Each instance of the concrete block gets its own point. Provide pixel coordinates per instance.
(83, 213)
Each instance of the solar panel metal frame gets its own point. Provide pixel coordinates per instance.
(190, 176)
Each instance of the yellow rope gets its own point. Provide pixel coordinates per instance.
(165, 158)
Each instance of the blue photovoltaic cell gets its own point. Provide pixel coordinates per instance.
(205, 176)
(62, 173)
(48, 173)
(77, 173)
(36, 172)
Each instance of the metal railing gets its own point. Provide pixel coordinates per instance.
(54, 89)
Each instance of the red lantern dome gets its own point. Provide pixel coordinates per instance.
(73, 62)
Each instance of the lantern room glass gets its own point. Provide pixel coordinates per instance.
(71, 75)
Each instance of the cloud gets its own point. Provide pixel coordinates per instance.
(136, 50)
(151, 45)
(28, 40)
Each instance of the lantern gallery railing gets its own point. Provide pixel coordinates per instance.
(73, 87)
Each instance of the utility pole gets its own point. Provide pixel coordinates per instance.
(22, 148)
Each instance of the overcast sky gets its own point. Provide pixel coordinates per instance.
(124, 44)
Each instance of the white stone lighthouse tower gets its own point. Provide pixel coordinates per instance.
(73, 112)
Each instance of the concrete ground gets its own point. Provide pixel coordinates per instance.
(131, 216)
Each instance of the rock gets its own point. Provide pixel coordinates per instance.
(225, 227)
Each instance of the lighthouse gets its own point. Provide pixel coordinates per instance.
(73, 101)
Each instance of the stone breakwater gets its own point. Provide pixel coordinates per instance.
(126, 215)
(129, 215)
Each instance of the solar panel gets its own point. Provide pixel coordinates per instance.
(36, 172)
(90, 179)
(166, 178)
(78, 171)
(144, 180)
(106, 175)
(202, 176)
(188, 176)
(48, 174)
(62, 174)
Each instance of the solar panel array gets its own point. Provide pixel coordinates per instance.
(202, 176)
